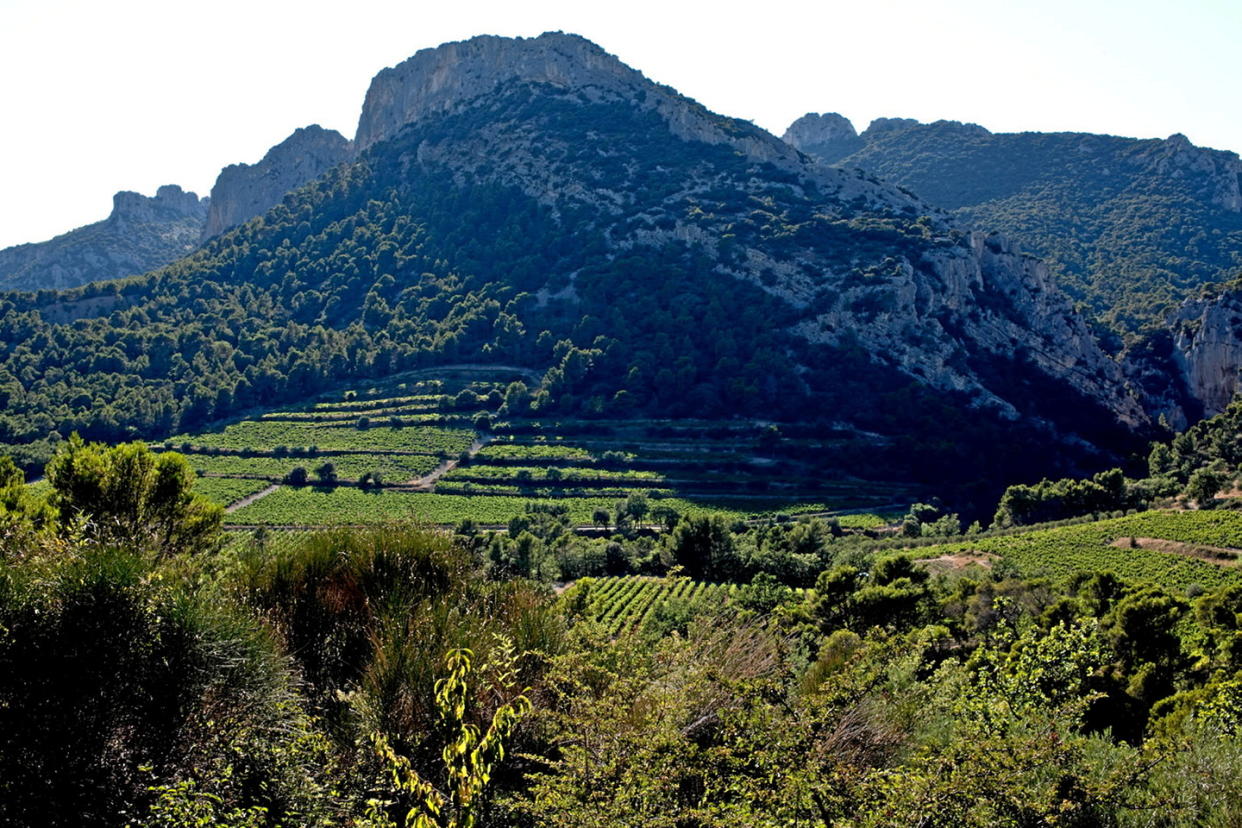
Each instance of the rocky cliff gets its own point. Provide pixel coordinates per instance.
(456, 75)
(141, 234)
(1204, 359)
(243, 191)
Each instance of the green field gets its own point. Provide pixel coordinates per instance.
(314, 506)
(225, 490)
(395, 468)
(265, 435)
(1062, 551)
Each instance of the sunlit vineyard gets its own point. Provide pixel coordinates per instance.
(1065, 550)
(225, 490)
(625, 604)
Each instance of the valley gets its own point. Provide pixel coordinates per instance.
(558, 452)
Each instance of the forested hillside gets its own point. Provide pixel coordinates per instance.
(642, 253)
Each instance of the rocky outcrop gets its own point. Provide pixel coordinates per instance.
(884, 126)
(454, 75)
(243, 191)
(141, 234)
(1218, 173)
(829, 137)
(1207, 333)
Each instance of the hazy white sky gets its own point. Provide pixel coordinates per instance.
(97, 97)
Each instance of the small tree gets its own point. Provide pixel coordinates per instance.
(297, 476)
(129, 493)
(1204, 484)
(326, 474)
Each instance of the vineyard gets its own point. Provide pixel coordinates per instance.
(437, 449)
(392, 467)
(626, 604)
(1105, 546)
(224, 490)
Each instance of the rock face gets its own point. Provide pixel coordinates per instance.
(1207, 355)
(453, 76)
(141, 234)
(243, 191)
(829, 137)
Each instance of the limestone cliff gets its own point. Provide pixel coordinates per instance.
(243, 191)
(141, 234)
(1207, 354)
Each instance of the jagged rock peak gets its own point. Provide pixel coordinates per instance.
(243, 191)
(440, 78)
(169, 201)
(828, 137)
(884, 125)
(814, 128)
(446, 77)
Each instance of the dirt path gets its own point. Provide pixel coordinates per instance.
(248, 499)
(427, 482)
(1219, 555)
(954, 563)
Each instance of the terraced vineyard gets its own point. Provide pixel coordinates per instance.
(1178, 563)
(269, 436)
(224, 490)
(422, 431)
(393, 467)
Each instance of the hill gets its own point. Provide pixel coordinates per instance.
(1129, 227)
(537, 203)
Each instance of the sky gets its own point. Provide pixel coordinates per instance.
(98, 97)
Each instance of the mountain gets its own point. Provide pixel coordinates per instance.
(243, 191)
(537, 202)
(141, 234)
(1130, 227)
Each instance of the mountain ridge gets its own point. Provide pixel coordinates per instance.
(140, 234)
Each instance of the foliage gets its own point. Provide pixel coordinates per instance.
(128, 493)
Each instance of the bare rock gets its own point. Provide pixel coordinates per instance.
(243, 191)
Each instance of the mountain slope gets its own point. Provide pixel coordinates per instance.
(1129, 226)
(141, 234)
(536, 202)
